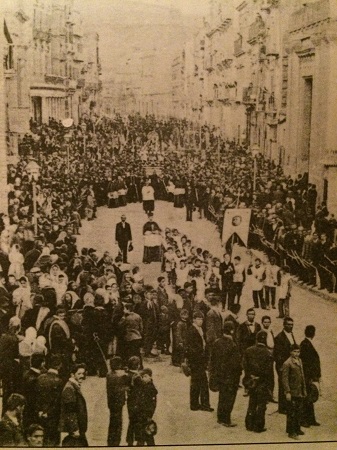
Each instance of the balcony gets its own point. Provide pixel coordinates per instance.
(255, 30)
(42, 35)
(238, 49)
(80, 83)
(249, 95)
(310, 14)
(78, 57)
(330, 158)
(70, 48)
(54, 79)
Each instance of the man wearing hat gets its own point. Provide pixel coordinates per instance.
(293, 384)
(197, 360)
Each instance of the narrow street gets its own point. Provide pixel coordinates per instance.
(176, 423)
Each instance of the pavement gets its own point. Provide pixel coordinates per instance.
(176, 423)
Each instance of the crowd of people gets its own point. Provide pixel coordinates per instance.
(108, 161)
(65, 312)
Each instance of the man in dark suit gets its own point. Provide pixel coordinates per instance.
(312, 373)
(163, 298)
(282, 344)
(197, 360)
(258, 366)
(123, 237)
(225, 369)
(247, 331)
(214, 319)
(74, 415)
(48, 401)
(29, 389)
(149, 312)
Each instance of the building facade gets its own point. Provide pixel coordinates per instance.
(267, 79)
(48, 70)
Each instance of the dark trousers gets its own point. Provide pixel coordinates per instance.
(115, 426)
(255, 417)
(199, 393)
(270, 294)
(235, 291)
(131, 433)
(123, 246)
(132, 348)
(282, 402)
(226, 289)
(294, 415)
(308, 413)
(189, 213)
(283, 307)
(258, 299)
(149, 339)
(227, 396)
(142, 437)
(164, 340)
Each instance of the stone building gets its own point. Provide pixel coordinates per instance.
(46, 67)
(90, 78)
(310, 143)
(269, 80)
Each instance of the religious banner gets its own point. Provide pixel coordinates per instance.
(236, 221)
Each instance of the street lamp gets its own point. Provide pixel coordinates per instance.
(33, 172)
(67, 123)
(255, 149)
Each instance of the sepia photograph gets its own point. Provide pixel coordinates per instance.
(168, 223)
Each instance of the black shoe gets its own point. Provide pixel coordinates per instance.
(301, 433)
(206, 408)
(305, 425)
(261, 431)
(316, 424)
(294, 436)
(230, 425)
(198, 408)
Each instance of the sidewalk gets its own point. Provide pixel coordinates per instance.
(323, 293)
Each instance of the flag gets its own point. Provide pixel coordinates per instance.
(236, 221)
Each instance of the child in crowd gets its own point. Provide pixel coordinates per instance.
(145, 406)
(179, 338)
(164, 330)
(170, 264)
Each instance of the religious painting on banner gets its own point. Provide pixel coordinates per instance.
(236, 222)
